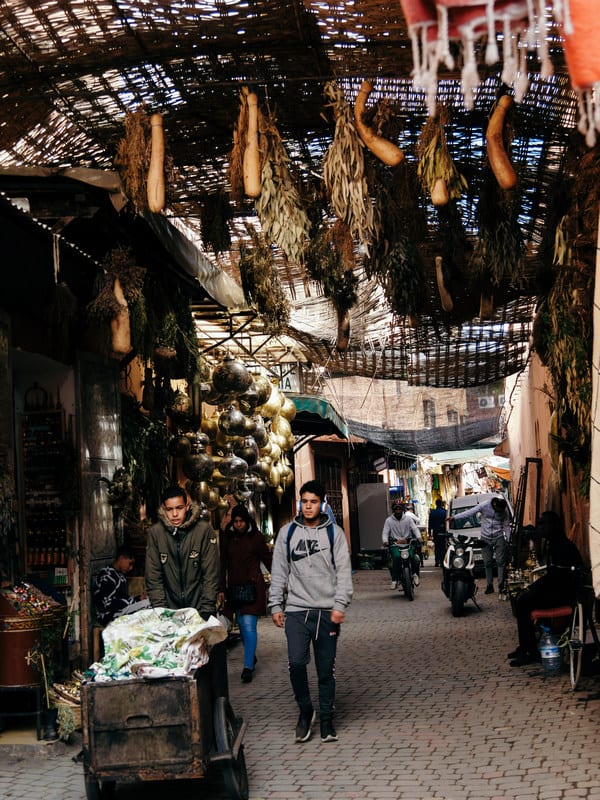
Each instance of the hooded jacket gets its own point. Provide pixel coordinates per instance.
(182, 564)
(310, 576)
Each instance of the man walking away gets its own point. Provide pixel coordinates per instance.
(437, 529)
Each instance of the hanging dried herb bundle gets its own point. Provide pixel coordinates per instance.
(120, 263)
(344, 170)
(105, 305)
(403, 278)
(261, 285)
(133, 158)
(215, 214)
(279, 207)
(394, 259)
(437, 170)
(499, 248)
(235, 172)
(330, 260)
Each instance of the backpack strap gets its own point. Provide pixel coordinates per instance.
(330, 534)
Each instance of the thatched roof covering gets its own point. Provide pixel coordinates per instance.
(69, 73)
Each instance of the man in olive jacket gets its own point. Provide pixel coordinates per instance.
(183, 568)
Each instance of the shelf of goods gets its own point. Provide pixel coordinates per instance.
(45, 520)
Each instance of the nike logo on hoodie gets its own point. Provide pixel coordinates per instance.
(301, 552)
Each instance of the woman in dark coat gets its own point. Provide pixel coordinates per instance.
(243, 548)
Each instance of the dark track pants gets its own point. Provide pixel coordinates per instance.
(302, 628)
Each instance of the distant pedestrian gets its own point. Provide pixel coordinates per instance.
(311, 588)
(243, 549)
(437, 529)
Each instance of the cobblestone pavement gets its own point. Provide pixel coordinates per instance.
(427, 709)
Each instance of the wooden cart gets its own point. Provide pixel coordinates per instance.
(159, 729)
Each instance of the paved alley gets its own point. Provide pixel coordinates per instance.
(427, 709)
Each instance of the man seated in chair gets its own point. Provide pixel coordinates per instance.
(555, 588)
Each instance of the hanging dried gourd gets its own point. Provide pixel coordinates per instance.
(436, 169)
(344, 170)
(497, 140)
(386, 151)
(155, 189)
(279, 207)
(120, 327)
(144, 177)
(251, 163)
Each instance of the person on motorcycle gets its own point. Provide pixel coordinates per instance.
(495, 533)
(400, 526)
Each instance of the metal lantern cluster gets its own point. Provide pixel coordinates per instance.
(241, 447)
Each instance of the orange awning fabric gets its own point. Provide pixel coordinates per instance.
(503, 474)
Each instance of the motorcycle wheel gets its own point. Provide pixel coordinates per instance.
(409, 590)
(459, 598)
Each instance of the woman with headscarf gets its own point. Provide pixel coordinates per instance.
(243, 549)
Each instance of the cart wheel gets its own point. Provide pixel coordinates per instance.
(96, 791)
(235, 776)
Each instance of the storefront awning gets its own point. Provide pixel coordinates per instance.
(314, 415)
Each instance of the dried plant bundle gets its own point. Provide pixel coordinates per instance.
(437, 170)
(261, 284)
(344, 170)
(279, 207)
(235, 172)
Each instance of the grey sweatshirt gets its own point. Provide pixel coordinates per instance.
(310, 577)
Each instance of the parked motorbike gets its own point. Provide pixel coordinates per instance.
(458, 582)
(403, 550)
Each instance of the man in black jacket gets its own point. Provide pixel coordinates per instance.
(555, 588)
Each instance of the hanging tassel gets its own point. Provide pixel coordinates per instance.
(567, 21)
(596, 94)
(56, 255)
(522, 82)
(590, 137)
(443, 39)
(492, 56)
(546, 67)
(469, 75)
(509, 54)
(582, 120)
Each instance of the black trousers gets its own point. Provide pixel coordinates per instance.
(439, 544)
(302, 628)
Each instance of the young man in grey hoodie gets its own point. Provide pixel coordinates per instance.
(311, 562)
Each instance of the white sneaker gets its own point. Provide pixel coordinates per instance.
(394, 585)
(416, 580)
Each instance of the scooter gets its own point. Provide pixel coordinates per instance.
(458, 582)
(405, 554)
